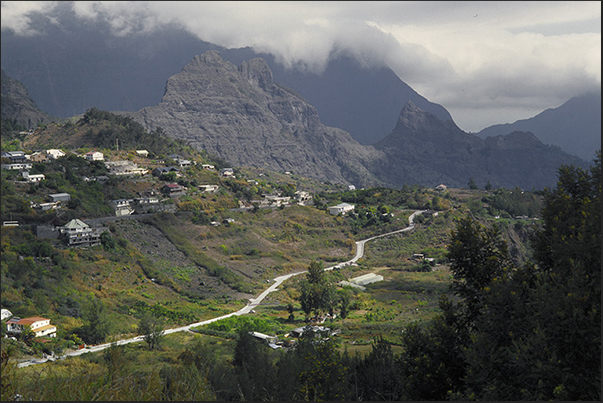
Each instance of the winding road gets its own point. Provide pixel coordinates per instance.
(253, 302)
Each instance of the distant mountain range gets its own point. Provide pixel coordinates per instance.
(76, 66)
(242, 115)
(574, 126)
(336, 126)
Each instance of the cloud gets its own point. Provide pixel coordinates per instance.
(15, 15)
(486, 56)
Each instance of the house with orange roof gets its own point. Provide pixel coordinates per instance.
(40, 326)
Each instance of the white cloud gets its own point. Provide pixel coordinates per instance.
(14, 15)
(476, 58)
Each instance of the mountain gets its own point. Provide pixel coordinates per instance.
(73, 67)
(424, 149)
(574, 126)
(243, 116)
(363, 101)
(18, 106)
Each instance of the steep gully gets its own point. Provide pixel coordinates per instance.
(253, 302)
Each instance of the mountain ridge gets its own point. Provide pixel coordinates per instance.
(563, 126)
(241, 115)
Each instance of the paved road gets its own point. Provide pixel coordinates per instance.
(253, 302)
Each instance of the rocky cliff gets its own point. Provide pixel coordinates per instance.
(18, 106)
(424, 149)
(241, 115)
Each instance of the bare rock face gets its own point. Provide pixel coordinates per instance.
(17, 105)
(242, 116)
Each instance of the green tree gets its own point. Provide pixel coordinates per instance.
(254, 367)
(477, 256)
(472, 184)
(317, 294)
(376, 376)
(540, 337)
(97, 326)
(151, 327)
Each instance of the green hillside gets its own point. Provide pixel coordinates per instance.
(197, 255)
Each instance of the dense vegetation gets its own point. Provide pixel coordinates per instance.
(492, 317)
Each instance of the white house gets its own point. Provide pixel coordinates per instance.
(32, 177)
(122, 207)
(302, 196)
(440, 187)
(342, 208)
(40, 326)
(74, 226)
(54, 153)
(227, 172)
(209, 188)
(142, 153)
(17, 165)
(208, 166)
(94, 156)
(78, 233)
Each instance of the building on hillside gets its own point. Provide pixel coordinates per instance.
(302, 197)
(208, 167)
(440, 187)
(121, 207)
(209, 188)
(173, 189)
(14, 157)
(40, 326)
(39, 156)
(342, 208)
(54, 153)
(32, 178)
(142, 153)
(94, 156)
(44, 206)
(227, 172)
(18, 165)
(78, 233)
(59, 197)
(124, 167)
(164, 170)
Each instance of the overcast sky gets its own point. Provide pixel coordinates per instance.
(485, 62)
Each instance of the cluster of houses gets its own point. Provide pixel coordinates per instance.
(41, 327)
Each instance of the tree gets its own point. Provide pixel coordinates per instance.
(488, 186)
(540, 338)
(376, 375)
(152, 328)
(317, 294)
(97, 324)
(472, 184)
(477, 256)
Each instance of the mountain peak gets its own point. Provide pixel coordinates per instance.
(257, 72)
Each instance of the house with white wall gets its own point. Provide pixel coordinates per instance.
(32, 178)
(94, 156)
(341, 208)
(40, 326)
